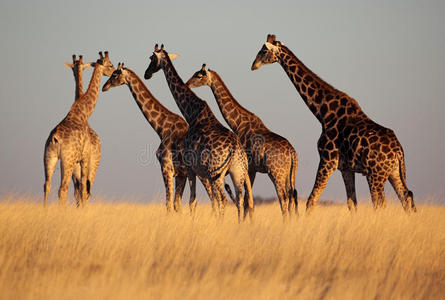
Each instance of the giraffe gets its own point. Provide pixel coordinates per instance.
(170, 127)
(70, 142)
(210, 149)
(350, 141)
(267, 151)
(77, 67)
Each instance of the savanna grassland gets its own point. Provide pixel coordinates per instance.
(136, 251)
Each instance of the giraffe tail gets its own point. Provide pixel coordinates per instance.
(402, 173)
(214, 174)
(293, 195)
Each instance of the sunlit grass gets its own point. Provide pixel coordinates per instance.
(136, 251)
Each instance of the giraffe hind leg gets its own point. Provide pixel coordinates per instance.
(208, 187)
(292, 191)
(66, 169)
(280, 187)
(405, 196)
(377, 189)
(192, 200)
(238, 183)
(219, 195)
(230, 193)
(92, 170)
(84, 184)
(248, 198)
(76, 183)
(292, 196)
(50, 162)
(248, 195)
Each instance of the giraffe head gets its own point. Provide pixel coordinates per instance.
(119, 77)
(200, 78)
(105, 63)
(159, 59)
(77, 66)
(268, 54)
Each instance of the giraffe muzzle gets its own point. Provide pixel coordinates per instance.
(106, 86)
(256, 65)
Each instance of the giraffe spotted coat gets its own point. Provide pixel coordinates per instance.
(77, 67)
(171, 129)
(267, 151)
(210, 149)
(70, 141)
(350, 141)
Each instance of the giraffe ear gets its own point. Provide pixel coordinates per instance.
(173, 56)
(87, 65)
(270, 46)
(68, 65)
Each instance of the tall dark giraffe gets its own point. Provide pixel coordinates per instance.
(350, 141)
(69, 141)
(77, 67)
(170, 128)
(267, 151)
(210, 149)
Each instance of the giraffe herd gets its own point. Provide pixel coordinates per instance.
(198, 145)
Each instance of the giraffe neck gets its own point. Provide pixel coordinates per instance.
(194, 110)
(231, 110)
(325, 102)
(155, 113)
(83, 107)
(78, 78)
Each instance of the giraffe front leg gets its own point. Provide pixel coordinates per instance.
(168, 182)
(324, 172)
(179, 190)
(349, 180)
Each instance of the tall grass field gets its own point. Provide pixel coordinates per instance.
(137, 251)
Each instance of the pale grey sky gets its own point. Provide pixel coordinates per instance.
(388, 55)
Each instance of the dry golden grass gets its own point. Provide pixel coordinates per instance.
(130, 251)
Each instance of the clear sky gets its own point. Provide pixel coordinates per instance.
(388, 55)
